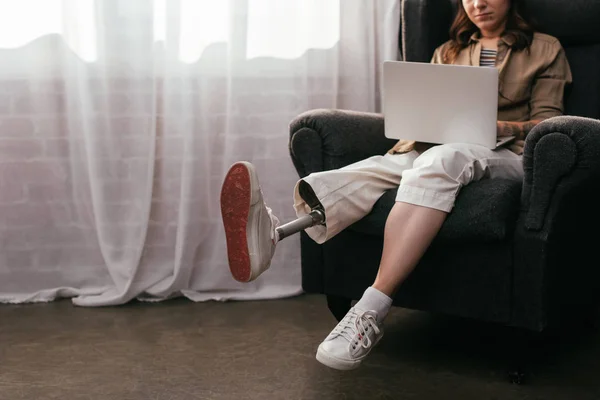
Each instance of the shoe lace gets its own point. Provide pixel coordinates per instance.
(355, 326)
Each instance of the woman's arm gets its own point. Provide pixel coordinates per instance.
(517, 129)
(547, 93)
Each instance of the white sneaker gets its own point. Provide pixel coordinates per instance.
(249, 223)
(351, 340)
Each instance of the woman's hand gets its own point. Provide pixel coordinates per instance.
(517, 129)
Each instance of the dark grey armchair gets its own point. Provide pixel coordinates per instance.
(519, 254)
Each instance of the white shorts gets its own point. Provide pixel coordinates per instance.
(432, 179)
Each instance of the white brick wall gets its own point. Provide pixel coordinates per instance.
(47, 221)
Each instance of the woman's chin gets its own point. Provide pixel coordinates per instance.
(487, 26)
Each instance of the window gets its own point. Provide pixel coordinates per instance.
(252, 28)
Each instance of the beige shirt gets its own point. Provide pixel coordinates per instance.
(531, 82)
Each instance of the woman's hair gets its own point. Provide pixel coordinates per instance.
(518, 28)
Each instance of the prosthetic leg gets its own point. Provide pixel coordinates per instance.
(315, 217)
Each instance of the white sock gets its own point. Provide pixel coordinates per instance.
(375, 300)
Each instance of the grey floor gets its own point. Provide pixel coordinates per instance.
(265, 350)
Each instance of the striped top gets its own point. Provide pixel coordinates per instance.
(488, 58)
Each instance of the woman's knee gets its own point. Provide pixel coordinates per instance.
(455, 152)
(444, 161)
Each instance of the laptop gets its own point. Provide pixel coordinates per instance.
(440, 103)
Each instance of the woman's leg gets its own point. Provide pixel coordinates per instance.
(426, 195)
(348, 194)
(325, 202)
(409, 230)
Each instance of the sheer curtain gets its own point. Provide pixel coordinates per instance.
(119, 119)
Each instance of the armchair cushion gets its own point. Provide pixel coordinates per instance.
(486, 211)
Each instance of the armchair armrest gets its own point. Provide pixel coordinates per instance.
(561, 154)
(554, 253)
(324, 139)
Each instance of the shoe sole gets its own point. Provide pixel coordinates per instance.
(336, 363)
(236, 197)
(333, 362)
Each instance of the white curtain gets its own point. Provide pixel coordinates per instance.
(119, 119)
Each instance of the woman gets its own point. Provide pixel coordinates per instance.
(533, 73)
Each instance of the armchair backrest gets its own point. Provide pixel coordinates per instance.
(576, 23)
